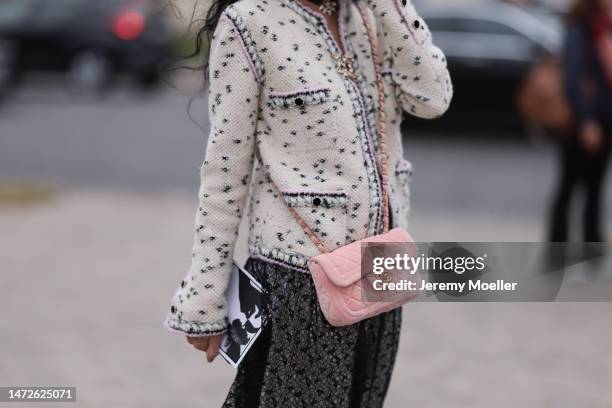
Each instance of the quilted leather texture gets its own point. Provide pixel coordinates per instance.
(338, 281)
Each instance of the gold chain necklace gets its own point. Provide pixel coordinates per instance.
(345, 65)
(328, 7)
(345, 61)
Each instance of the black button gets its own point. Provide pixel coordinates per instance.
(404, 3)
(299, 101)
(417, 24)
(173, 309)
(316, 202)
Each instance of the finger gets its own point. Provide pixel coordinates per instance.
(201, 343)
(213, 348)
(195, 340)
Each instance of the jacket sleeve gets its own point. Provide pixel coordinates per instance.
(199, 307)
(575, 59)
(417, 67)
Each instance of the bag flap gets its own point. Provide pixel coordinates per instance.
(343, 266)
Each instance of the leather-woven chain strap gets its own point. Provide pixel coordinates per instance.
(382, 118)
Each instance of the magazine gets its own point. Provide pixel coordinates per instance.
(245, 301)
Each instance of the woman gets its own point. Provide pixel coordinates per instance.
(293, 111)
(588, 83)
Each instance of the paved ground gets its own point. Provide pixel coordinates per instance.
(87, 275)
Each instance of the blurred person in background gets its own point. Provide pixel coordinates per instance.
(293, 88)
(588, 86)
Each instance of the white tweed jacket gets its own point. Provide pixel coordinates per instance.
(283, 109)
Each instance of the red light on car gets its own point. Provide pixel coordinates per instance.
(129, 25)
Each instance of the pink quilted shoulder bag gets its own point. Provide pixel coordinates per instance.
(337, 275)
(339, 282)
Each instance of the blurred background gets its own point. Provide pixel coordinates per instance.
(99, 163)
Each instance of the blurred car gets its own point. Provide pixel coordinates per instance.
(90, 40)
(6, 66)
(490, 46)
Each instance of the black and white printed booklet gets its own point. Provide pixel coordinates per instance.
(245, 300)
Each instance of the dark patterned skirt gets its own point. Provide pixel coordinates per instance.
(300, 360)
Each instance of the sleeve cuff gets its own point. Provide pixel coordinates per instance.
(196, 329)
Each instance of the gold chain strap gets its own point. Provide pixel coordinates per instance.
(382, 117)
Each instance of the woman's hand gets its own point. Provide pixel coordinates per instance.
(210, 345)
(591, 136)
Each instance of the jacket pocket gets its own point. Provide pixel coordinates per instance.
(307, 119)
(326, 213)
(298, 99)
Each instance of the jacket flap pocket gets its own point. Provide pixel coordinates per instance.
(299, 98)
(332, 199)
